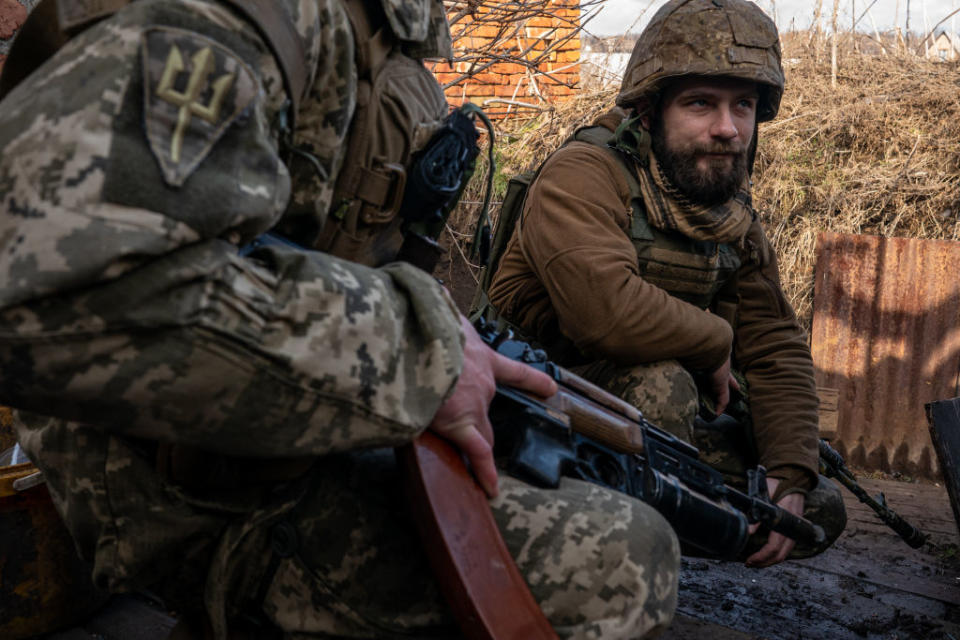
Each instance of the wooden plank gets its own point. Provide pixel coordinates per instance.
(868, 585)
(799, 599)
(943, 418)
(922, 505)
(687, 628)
(829, 411)
(890, 576)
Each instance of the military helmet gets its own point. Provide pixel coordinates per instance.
(732, 38)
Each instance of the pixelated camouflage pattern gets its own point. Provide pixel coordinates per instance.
(125, 305)
(732, 38)
(667, 395)
(409, 19)
(601, 564)
(75, 13)
(324, 120)
(439, 42)
(324, 334)
(184, 125)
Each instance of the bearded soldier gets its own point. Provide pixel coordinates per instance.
(207, 415)
(640, 262)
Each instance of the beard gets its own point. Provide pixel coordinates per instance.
(713, 185)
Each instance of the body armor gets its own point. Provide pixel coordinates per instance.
(694, 271)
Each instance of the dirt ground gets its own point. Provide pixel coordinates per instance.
(869, 585)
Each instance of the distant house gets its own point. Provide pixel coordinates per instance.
(945, 47)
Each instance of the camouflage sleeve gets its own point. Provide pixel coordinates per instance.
(133, 164)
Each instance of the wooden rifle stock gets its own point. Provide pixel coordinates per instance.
(598, 422)
(602, 416)
(476, 572)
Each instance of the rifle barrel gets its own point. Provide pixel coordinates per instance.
(834, 466)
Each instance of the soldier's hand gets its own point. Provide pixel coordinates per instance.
(721, 382)
(778, 546)
(463, 418)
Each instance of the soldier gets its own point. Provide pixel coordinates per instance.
(210, 424)
(640, 263)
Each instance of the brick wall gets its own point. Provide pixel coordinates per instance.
(507, 88)
(503, 88)
(12, 15)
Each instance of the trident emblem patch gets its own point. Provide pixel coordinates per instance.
(194, 90)
(189, 101)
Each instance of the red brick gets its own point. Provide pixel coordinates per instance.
(508, 68)
(542, 22)
(12, 15)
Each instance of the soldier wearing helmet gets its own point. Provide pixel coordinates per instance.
(210, 415)
(640, 263)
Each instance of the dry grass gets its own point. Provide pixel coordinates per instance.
(879, 154)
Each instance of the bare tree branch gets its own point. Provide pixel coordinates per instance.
(526, 33)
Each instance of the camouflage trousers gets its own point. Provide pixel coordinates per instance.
(347, 561)
(667, 395)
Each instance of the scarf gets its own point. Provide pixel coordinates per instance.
(667, 208)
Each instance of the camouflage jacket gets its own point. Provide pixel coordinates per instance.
(134, 163)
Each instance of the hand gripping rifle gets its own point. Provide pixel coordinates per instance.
(586, 433)
(833, 465)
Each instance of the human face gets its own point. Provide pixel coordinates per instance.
(702, 136)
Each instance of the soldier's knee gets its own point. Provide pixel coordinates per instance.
(637, 595)
(828, 510)
(667, 395)
(601, 564)
(824, 507)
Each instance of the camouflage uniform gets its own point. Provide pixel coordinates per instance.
(207, 423)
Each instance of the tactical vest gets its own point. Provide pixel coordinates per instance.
(399, 108)
(701, 273)
(691, 270)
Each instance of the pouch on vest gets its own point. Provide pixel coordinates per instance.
(399, 108)
(510, 211)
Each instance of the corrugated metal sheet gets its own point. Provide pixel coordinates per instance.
(886, 337)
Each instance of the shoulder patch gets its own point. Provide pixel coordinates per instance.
(194, 89)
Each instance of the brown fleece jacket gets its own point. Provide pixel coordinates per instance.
(570, 271)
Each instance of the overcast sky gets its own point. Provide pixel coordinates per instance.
(617, 16)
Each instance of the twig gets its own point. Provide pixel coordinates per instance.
(949, 15)
(463, 256)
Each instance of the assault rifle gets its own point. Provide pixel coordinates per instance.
(833, 465)
(586, 433)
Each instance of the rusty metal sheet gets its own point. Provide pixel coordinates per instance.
(886, 340)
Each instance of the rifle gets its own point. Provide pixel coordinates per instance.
(586, 433)
(833, 465)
